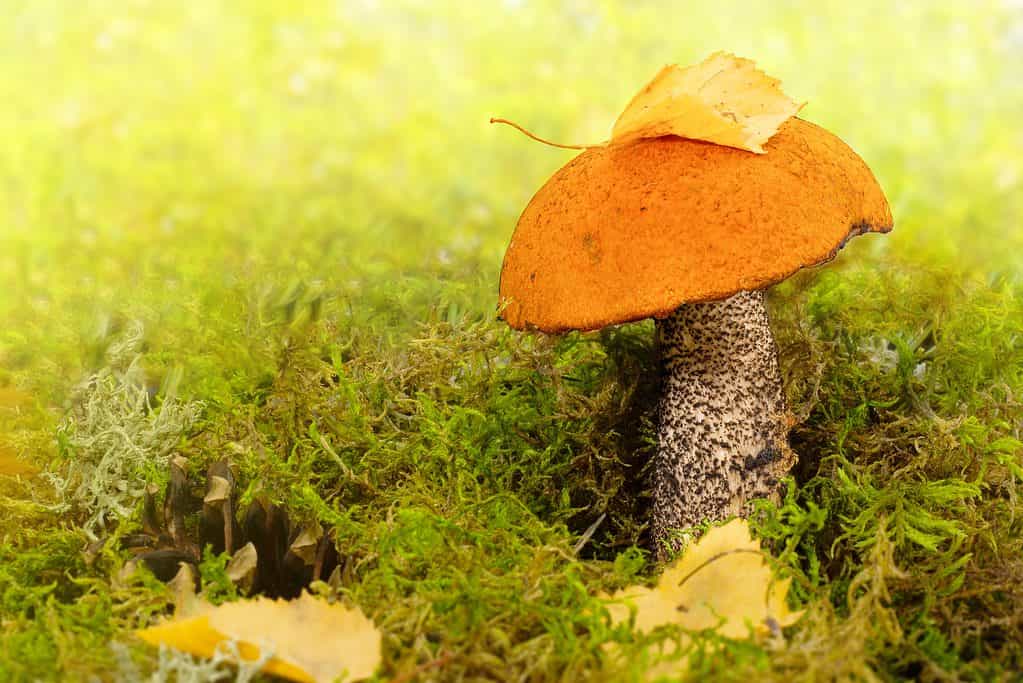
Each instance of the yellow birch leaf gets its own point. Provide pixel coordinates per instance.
(13, 398)
(722, 582)
(11, 465)
(724, 99)
(312, 641)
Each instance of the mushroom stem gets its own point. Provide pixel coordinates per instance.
(722, 425)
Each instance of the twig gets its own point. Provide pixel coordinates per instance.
(588, 534)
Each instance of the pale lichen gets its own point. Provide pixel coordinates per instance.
(115, 438)
(226, 664)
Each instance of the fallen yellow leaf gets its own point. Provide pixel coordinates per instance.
(11, 465)
(724, 99)
(13, 398)
(722, 582)
(311, 641)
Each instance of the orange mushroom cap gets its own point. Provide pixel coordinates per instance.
(626, 232)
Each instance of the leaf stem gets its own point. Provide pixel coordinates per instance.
(538, 138)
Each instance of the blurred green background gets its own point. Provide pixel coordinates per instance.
(162, 159)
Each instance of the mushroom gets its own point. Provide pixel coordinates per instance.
(691, 233)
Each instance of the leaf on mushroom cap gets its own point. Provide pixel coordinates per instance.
(724, 99)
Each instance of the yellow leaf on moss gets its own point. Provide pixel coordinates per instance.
(11, 465)
(722, 582)
(724, 99)
(13, 398)
(312, 641)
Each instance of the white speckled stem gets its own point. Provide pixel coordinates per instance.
(722, 428)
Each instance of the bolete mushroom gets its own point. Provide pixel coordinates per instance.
(691, 233)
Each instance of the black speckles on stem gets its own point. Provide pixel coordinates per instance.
(722, 428)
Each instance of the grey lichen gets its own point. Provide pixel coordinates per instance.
(722, 426)
(114, 439)
(174, 666)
